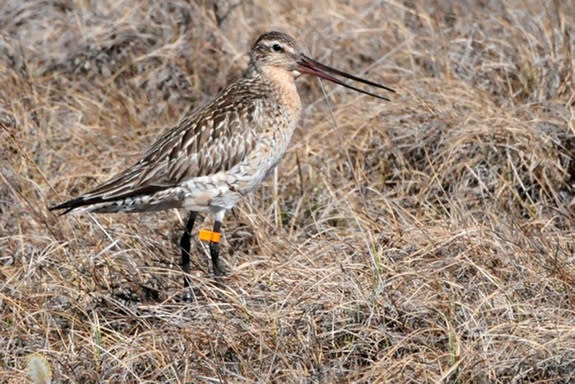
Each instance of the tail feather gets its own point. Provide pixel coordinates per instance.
(71, 205)
(87, 200)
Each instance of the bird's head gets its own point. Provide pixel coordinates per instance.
(279, 50)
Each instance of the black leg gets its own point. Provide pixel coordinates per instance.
(185, 244)
(215, 250)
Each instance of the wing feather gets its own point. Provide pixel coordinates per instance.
(213, 139)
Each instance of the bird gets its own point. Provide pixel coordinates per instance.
(216, 155)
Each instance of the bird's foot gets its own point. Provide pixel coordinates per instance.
(187, 296)
(219, 269)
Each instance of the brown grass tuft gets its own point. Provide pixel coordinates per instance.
(430, 239)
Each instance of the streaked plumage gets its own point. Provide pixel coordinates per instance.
(218, 154)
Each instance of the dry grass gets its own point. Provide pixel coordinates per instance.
(430, 239)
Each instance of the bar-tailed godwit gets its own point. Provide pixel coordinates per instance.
(218, 154)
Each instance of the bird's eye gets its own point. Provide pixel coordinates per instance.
(278, 48)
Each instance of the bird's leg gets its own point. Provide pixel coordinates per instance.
(215, 248)
(185, 244)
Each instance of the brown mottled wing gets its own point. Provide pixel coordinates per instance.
(211, 140)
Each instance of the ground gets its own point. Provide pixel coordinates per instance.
(427, 239)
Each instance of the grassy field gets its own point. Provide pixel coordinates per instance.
(428, 239)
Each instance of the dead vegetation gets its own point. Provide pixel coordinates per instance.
(430, 239)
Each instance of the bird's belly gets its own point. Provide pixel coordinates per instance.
(211, 191)
(251, 173)
(225, 189)
(222, 190)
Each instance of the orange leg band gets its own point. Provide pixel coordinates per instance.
(211, 236)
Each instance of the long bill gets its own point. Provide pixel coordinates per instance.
(310, 66)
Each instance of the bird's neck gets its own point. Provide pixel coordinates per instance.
(283, 82)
